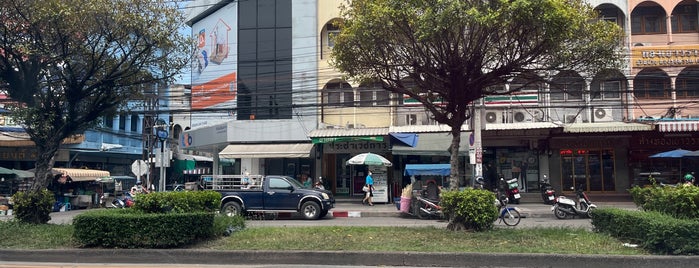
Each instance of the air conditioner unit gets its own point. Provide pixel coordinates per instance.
(521, 116)
(602, 115)
(410, 119)
(349, 126)
(571, 118)
(492, 117)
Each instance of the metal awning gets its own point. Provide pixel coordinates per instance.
(678, 126)
(79, 174)
(520, 126)
(433, 144)
(293, 150)
(606, 127)
(347, 132)
(199, 158)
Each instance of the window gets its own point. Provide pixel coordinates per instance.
(122, 122)
(567, 85)
(374, 95)
(652, 84)
(109, 122)
(606, 90)
(134, 122)
(687, 84)
(648, 20)
(333, 31)
(684, 19)
(339, 94)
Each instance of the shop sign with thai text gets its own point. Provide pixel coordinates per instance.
(661, 56)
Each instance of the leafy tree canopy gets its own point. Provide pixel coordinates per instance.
(67, 63)
(456, 50)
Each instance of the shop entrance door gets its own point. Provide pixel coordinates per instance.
(593, 169)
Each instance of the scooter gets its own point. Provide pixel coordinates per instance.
(511, 189)
(564, 207)
(425, 207)
(548, 194)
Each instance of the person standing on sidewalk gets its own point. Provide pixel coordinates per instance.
(369, 185)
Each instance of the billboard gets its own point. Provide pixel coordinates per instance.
(214, 64)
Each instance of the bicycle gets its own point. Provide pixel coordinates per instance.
(509, 215)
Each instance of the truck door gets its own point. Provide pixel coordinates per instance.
(280, 195)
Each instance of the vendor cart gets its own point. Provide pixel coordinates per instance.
(426, 188)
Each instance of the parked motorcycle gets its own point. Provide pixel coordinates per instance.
(425, 205)
(125, 202)
(511, 190)
(564, 207)
(548, 194)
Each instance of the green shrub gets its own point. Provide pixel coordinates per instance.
(680, 202)
(657, 232)
(129, 228)
(470, 209)
(225, 225)
(178, 202)
(33, 207)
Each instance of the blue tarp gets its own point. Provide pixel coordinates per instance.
(427, 169)
(409, 139)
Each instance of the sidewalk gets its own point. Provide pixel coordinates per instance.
(352, 207)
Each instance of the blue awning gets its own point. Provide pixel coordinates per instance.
(409, 139)
(427, 169)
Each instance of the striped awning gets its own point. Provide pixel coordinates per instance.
(678, 126)
(79, 174)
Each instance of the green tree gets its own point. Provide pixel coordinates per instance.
(446, 54)
(65, 64)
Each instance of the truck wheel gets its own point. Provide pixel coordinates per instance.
(231, 209)
(323, 213)
(310, 210)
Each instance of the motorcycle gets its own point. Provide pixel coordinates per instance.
(125, 202)
(425, 205)
(548, 194)
(511, 190)
(564, 207)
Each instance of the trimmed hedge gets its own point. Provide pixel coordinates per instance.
(157, 220)
(654, 231)
(680, 201)
(178, 202)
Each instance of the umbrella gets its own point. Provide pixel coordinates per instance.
(369, 159)
(677, 153)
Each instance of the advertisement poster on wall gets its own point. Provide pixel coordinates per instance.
(378, 173)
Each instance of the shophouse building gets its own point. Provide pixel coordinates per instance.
(290, 112)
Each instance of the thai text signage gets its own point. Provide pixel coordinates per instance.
(658, 56)
(355, 147)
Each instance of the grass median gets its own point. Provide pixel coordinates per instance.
(334, 238)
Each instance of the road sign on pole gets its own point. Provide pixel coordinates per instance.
(139, 168)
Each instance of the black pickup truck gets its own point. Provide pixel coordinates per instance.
(242, 194)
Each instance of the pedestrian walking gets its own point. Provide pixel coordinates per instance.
(368, 189)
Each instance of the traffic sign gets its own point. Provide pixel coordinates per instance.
(139, 167)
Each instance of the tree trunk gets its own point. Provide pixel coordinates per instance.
(42, 176)
(454, 158)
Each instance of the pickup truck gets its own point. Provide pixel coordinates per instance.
(241, 194)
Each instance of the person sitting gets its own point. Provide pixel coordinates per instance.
(138, 189)
(688, 180)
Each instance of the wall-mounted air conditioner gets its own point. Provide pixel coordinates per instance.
(521, 116)
(571, 118)
(602, 115)
(492, 117)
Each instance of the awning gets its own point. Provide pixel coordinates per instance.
(433, 144)
(427, 169)
(409, 139)
(293, 150)
(518, 126)
(79, 174)
(343, 139)
(606, 127)
(199, 158)
(678, 126)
